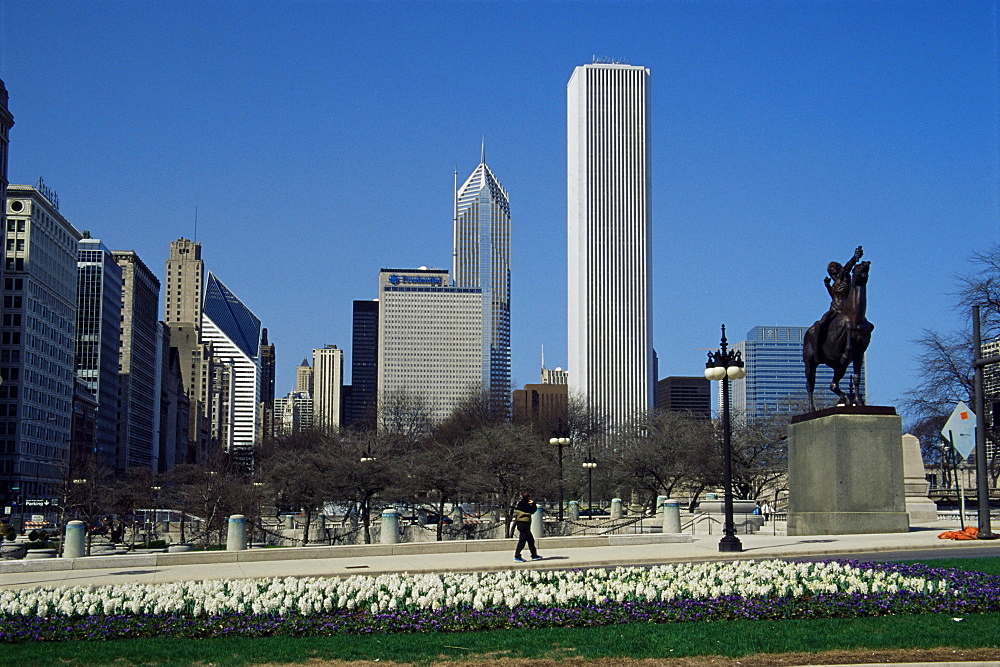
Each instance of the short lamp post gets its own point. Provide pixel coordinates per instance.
(258, 525)
(560, 443)
(723, 366)
(589, 464)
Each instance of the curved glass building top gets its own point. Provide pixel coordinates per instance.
(234, 319)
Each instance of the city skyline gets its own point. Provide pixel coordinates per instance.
(782, 137)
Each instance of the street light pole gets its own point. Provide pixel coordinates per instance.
(723, 366)
(589, 463)
(560, 442)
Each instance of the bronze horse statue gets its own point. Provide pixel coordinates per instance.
(841, 341)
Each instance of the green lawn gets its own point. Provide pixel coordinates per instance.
(733, 639)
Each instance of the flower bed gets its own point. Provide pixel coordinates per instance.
(515, 598)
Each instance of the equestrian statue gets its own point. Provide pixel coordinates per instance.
(839, 339)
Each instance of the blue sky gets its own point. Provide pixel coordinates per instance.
(317, 141)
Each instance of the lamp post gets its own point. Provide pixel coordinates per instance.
(723, 366)
(560, 443)
(259, 524)
(589, 463)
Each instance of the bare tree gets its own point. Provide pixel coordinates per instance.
(666, 449)
(511, 458)
(403, 414)
(759, 453)
(299, 467)
(946, 361)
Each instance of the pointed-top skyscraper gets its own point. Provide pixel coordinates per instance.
(482, 260)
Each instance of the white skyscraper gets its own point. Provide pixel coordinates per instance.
(610, 348)
(482, 260)
(234, 333)
(327, 381)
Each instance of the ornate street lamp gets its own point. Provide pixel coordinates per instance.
(723, 366)
(589, 463)
(560, 443)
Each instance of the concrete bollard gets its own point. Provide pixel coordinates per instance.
(76, 535)
(390, 526)
(659, 504)
(537, 526)
(616, 508)
(236, 538)
(289, 522)
(574, 510)
(671, 516)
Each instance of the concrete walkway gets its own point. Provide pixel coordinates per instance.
(558, 553)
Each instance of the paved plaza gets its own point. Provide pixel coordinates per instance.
(467, 556)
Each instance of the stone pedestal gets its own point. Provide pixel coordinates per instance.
(918, 505)
(845, 472)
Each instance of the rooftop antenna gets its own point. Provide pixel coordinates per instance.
(482, 153)
(543, 357)
(195, 224)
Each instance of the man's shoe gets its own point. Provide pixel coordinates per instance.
(518, 559)
(537, 557)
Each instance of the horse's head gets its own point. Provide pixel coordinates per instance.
(860, 273)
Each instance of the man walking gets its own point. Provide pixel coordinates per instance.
(523, 512)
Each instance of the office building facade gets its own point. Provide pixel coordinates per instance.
(364, 366)
(430, 341)
(609, 308)
(293, 413)
(776, 377)
(328, 380)
(98, 338)
(140, 364)
(182, 308)
(685, 394)
(37, 347)
(304, 377)
(481, 255)
(233, 332)
(267, 371)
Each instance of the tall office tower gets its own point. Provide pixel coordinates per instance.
(140, 366)
(37, 341)
(304, 377)
(364, 366)
(6, 122)
(776, 377)
(98, 336)
(610, 349)
(267, 366)
(685, 394)
(293, 413)
(991, 392)
(481, 258)
(182, 306)
(173, 406)
(328, 379)
(234, 333)
(430, 341)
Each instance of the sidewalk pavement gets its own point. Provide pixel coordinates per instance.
(558, 553)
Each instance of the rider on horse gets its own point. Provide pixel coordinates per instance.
(838, 284)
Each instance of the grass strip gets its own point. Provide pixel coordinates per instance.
(673, 640)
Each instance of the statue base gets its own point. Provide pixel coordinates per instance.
(845, 472)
